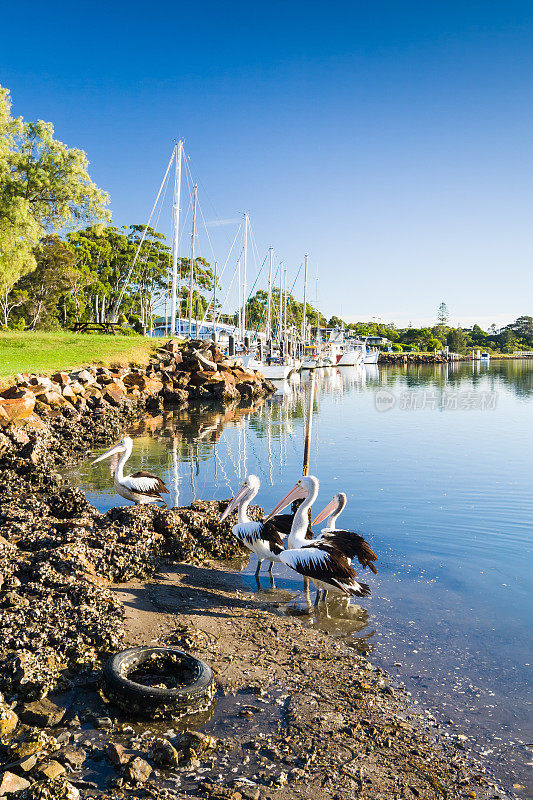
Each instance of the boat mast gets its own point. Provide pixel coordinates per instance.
(239, 303)
(280, 331)
(213, 313)
(269, 298)
(285, 309)
(175, 236)
(191, 270)
(244, 260)
(318, 335)
(304, 320)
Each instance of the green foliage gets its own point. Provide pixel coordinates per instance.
(44, 188)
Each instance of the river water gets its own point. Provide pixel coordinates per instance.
(436, 462)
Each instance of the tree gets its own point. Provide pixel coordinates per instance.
(456, 340)
(336, 322)
(19, 232)
(443, 314)
(44, 188)
(53, 276)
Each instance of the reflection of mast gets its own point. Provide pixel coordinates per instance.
(193, 490)
(269, 443)
(175, 473)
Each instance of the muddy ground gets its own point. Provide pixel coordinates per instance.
(298, 714)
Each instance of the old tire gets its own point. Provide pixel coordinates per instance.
(194, 695)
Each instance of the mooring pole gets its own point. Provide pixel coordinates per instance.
(309, 426)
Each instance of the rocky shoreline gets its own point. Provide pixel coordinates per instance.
(177, 374)
(332, 726)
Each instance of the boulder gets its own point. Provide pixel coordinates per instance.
(117, 754)
(138, 770)
(54, 399)
(52, 769)
(11, 783)
(114, 393)
(85, 377)
(62, 378)
(69, 395)
(17, 403)
(76, 387)
(40, 380)
(42, 713)
(164, 753)
(135, 379)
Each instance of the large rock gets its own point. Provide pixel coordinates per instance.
(17, 403)
(54, 399)
(11, 783)
(139, 770)
(136, 379)
(42, 714)
(62, 378)
(114, 393)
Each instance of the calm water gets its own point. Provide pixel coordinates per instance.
(437, 466)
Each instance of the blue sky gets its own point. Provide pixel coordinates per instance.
(390, 141)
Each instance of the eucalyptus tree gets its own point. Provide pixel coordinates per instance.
(45, 188)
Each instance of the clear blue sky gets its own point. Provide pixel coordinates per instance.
(392, 141)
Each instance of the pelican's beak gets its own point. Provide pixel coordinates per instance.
(299, 492)
(235, 502)
(324, 514)
(117, 448)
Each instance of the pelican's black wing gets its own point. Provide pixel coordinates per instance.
(353, 545)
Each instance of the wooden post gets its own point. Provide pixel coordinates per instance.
(307, 443)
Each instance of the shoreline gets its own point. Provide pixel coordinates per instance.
(334, 725)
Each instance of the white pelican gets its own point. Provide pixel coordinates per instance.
(262, 538)
(319, 559)
(141, 487)
(352, 544)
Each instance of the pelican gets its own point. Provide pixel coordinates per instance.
(141, 487)
(319, 559)
(352, 544)
(262, 538)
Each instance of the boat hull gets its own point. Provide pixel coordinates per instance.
(351, 359)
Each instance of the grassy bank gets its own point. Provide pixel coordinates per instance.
(26, 351)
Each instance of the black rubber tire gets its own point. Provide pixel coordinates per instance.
(142, 700)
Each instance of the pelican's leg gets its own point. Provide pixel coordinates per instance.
(259, 562)
(324, 595)
(270, 568)
(317, 598)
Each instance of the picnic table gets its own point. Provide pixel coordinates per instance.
(99, 327)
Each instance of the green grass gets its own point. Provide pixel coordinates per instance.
(44, 353)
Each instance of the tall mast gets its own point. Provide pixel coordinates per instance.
(285, 301)
(280, 331)
(269, 299)
(213, 314)
(239, 304)
(191, 270)
(304, 320)
(244, 260)
(318, 337)
(175, 237)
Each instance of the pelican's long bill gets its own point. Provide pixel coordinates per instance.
(299, 492)
(324, 514)
(235, 502)
(117, 448)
